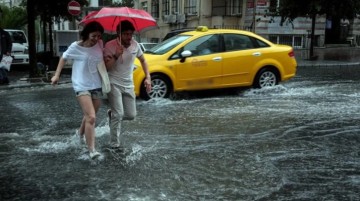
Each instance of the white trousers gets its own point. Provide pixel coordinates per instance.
(123, 107)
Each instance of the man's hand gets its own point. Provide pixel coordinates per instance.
(147, 83)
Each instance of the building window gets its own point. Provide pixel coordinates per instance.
(218, 8)
(144, 6)
(191, 7)
(166, 7)
(103, 3)
(236, 7)
(274, 5)
(296, 41)
(227, 7)
(175, 6)
(155, 9)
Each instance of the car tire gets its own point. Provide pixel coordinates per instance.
(266, 77)
(161, 88)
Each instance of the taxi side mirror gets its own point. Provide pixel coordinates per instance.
(184, 55)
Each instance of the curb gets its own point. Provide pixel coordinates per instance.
(29, 85)
(328, 65)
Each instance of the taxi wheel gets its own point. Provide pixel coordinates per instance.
(160, 88)
(266, 77)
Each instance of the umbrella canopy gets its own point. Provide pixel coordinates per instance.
(109, 18)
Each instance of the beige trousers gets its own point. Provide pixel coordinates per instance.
(123, 107)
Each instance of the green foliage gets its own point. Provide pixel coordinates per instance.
(47, 8)
(290, 9)
(13, 18)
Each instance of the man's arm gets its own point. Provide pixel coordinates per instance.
(147, 81)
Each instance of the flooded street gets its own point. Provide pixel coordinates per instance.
(296, 141)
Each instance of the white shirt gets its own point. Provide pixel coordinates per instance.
(122, 73)
(85, 75)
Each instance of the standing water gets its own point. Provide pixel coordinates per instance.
(296, 141)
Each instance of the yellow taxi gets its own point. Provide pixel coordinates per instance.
(212, 59)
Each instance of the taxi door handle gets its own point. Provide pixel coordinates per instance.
(217, 59)
(256, 54)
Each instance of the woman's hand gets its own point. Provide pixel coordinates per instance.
(54, 80)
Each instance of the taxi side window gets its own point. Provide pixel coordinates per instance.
(235, 42)
(261, 43)
(204, 45)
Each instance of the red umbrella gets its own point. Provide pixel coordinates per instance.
(109, 18)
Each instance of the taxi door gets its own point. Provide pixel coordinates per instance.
(203, 69)
(239, 59)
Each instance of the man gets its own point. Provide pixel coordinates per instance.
(119, 55)
(5, 49)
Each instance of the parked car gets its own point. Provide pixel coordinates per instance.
(146, 46)
(233, 58)
(20, 44)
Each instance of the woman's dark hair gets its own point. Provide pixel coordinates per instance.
(89, 28)
(125, 25)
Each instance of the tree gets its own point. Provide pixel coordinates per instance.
(13, 18)
(290, 9)
(46, 10)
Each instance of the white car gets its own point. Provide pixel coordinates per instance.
(19, 50)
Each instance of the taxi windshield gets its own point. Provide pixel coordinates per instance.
(168, 44)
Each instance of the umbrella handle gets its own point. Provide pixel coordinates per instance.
(119, 43)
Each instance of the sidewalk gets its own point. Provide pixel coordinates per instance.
(326, 57)
(330, 56)
(19, 78)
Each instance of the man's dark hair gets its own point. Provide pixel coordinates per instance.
(89, 28)
(125, 25)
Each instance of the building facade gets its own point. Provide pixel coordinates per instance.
(241, 14)
(249, 15)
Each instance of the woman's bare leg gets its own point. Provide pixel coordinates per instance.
(89, 108)
(82, 127)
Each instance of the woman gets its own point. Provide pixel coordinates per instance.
(86, 81)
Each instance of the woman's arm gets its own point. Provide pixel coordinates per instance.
(109, 61)
(56, 77)
(112, 52)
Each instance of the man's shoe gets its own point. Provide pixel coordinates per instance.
(114, 146)
(94, 154)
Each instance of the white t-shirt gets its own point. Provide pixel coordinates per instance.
(85, 75)
(122, 73)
